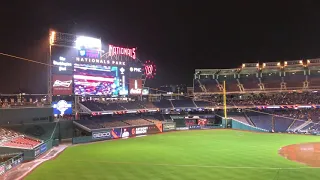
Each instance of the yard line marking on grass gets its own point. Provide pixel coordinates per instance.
(203, 166)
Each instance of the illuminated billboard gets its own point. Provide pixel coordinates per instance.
(62, 84)
(99, 80)
(135, 86)
(145, 91)
(88, 53)
(87, 60)
(115, 51)
(62, 107)
(62, 60)
(83, 42)
(62, 66)
(149, 69)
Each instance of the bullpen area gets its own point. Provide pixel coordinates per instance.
(181, 155)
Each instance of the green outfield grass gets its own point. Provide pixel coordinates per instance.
(196, 155)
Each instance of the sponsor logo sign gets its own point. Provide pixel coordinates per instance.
(37, 152)
(62, 85)
(145, 91)
(169, 126)
(89, 53)
(177, 117)
(141, 130)
(126, 132)
(135, 86)
(182, 128)
(101, 135)
(8, 167)
(62, 107)
(135, 69)
(61, 65)
(2, 169)
(43, 148)
(195, 127)
(62, 60)
(58, 83)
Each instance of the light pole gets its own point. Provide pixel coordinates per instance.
(52, 36)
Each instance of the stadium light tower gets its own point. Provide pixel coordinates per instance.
(52, 37)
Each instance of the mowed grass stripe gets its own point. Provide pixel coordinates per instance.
(181, 155)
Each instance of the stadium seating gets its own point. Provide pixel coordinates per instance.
(249, 81)
(240, 118)
(165, 104)
(282, 124)
(10, 138)
(183, 103)
(97, 122)
(93, 106)
(260, 120)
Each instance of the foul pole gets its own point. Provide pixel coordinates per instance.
(225, 102)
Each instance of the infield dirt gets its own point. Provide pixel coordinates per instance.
(308, 153)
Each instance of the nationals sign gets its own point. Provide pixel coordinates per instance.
(62, 85)
(113, 50)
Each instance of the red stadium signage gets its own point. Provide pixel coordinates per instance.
(135, 86)
(62, 85)
(113, 51)
(149, 69)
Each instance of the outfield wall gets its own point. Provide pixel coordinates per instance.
(135, 131)
(124, 132)
(240, 125)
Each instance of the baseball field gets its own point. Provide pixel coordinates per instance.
(184, 155)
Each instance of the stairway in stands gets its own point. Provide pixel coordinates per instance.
(302, 126)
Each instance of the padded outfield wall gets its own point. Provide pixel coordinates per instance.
(125, 132)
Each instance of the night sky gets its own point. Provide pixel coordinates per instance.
(178, 35)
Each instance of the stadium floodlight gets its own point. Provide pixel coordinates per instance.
(52, 37)
(83, 42)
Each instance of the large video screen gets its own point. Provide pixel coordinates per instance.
(99, 80)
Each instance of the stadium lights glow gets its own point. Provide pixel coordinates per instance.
(52, 37)
(88, 43)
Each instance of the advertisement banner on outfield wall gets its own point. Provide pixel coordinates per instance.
(182, 128)
(43, 148)
(116, 133)
(195, 127)
(2, 169)
(169, 127)
(127, 132)
(141, 130)
(105, 134)
(37, 152)
(153, 129)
